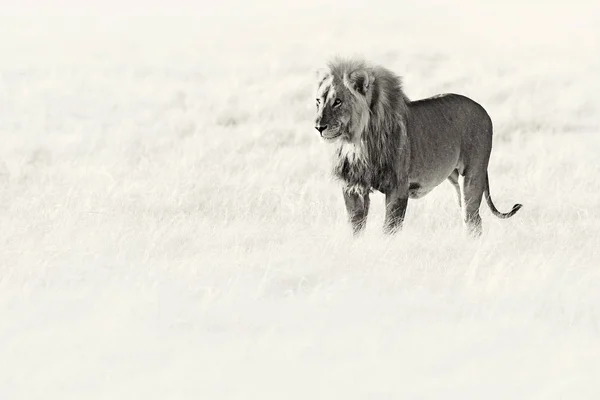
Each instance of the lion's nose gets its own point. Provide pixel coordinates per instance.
(321, 128)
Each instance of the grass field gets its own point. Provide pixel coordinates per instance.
(170, 228)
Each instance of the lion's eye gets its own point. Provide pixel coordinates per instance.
(337, 102)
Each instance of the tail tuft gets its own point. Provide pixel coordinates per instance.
(495, 211)
(509, 214)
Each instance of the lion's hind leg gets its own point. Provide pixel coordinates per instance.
(472, 192)
(453, 179)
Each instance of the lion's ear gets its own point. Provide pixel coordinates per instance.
(360, 81)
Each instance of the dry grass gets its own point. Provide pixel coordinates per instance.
(170, 228)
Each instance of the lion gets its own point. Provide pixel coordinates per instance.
(404, 149)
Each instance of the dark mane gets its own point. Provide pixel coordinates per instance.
(384, 136)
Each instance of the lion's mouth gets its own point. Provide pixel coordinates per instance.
(337, 135)
(332, 134)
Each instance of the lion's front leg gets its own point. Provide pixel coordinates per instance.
(395, 209)
(357, 206)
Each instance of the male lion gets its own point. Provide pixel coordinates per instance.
(402, 148)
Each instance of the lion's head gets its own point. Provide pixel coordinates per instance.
(343, 96)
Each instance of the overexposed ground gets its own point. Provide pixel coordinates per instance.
(169, 228)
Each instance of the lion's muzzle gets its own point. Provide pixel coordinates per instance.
(321, 128)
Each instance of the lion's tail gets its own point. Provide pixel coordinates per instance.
(495, 211)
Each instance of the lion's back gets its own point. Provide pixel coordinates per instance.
(450, 115)
(449, 129)
(452, 110)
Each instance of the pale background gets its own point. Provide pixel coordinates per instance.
(169, 228)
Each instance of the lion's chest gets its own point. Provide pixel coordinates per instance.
(359, 172)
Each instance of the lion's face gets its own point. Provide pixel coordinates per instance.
(334, 110)
(342, 110)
